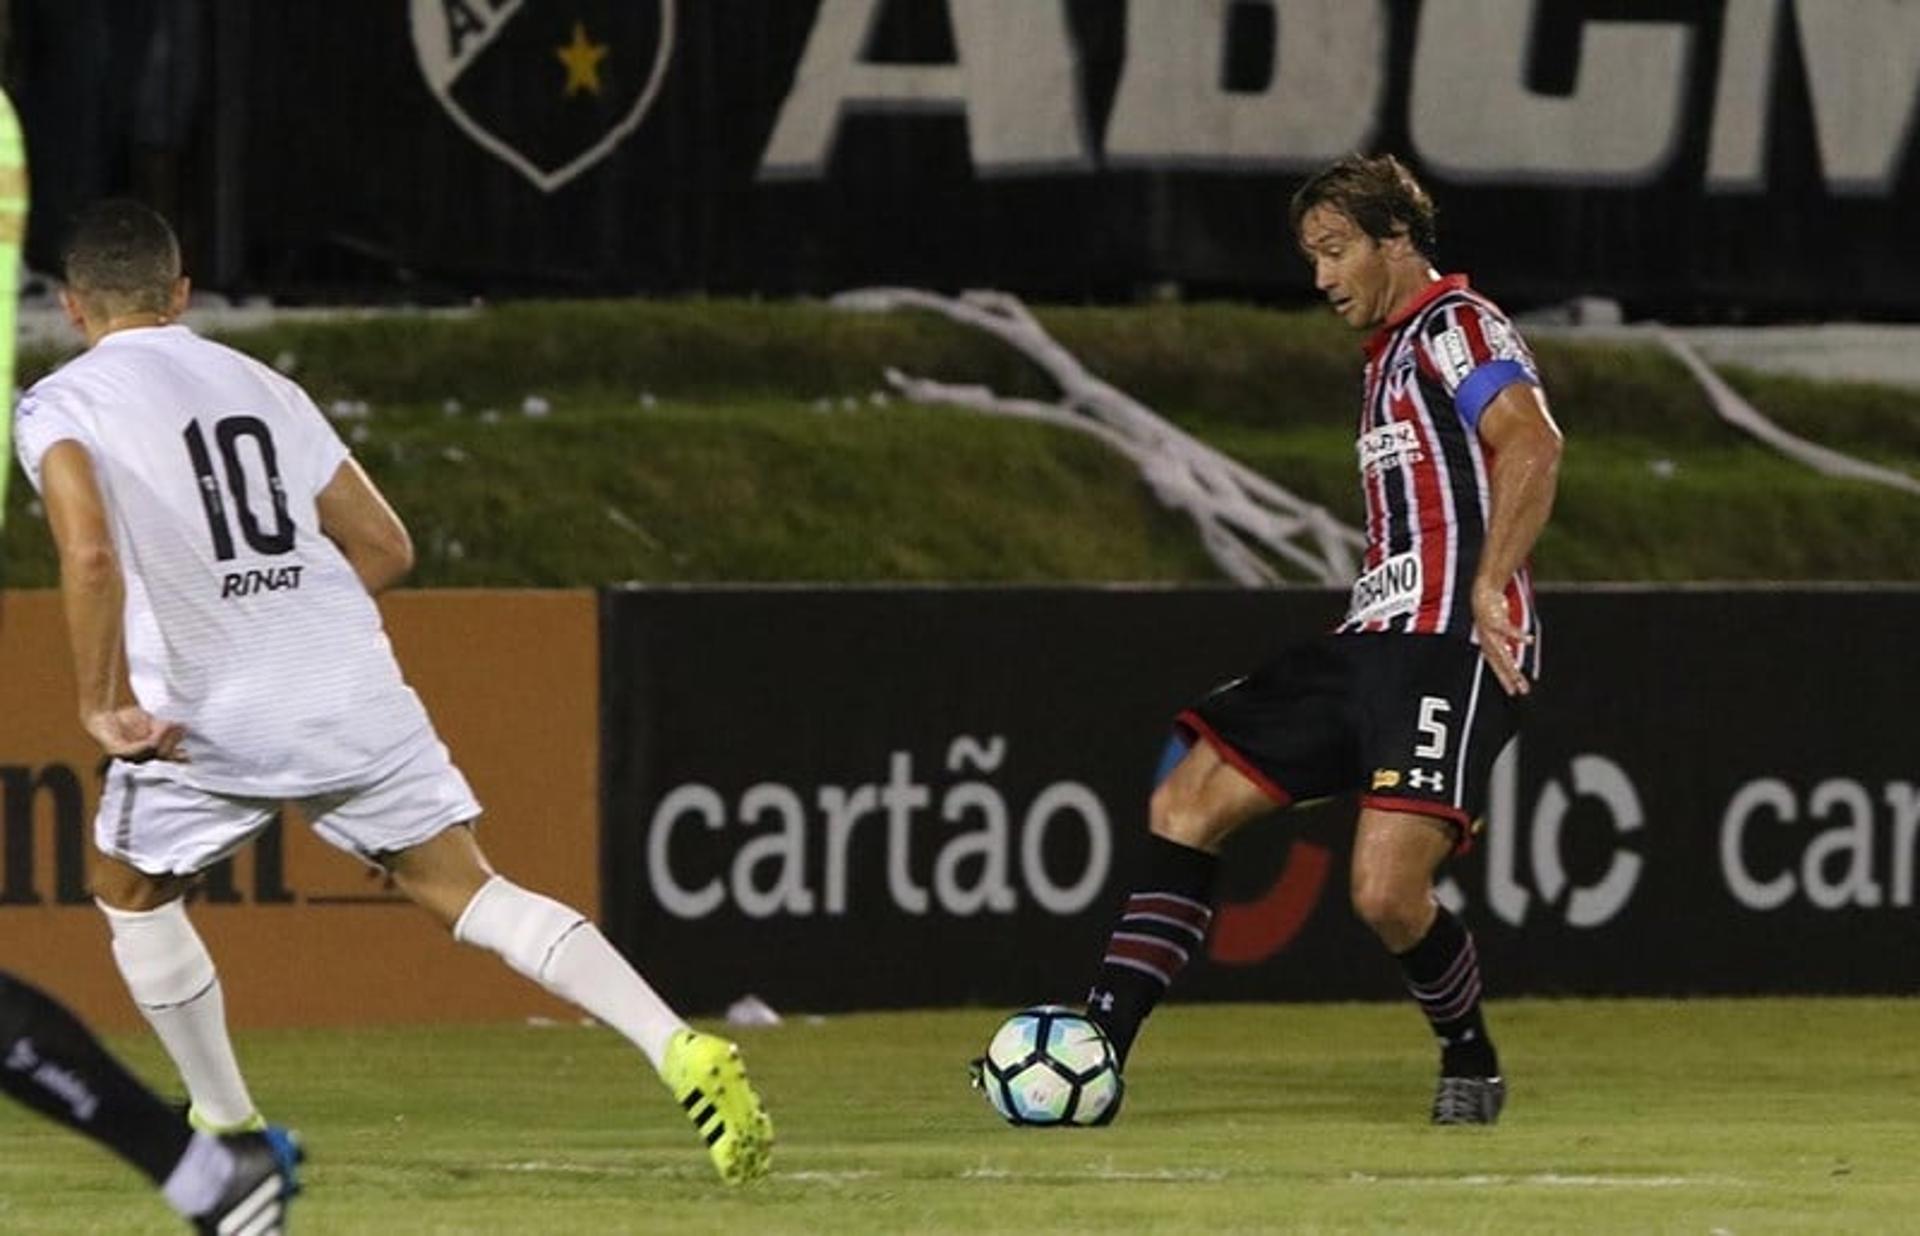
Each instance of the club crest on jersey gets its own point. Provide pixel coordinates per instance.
(1389, 447)
(550, 87)
(1404, 375)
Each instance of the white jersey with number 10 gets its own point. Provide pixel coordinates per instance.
(243, 621)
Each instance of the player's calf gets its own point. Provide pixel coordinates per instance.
(1162, 925)
(555, 946)
(1443, 976)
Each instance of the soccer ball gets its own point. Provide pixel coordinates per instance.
(1048, 1065)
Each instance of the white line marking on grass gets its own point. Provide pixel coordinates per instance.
(572, 1169)
(1170, 1174)
(1151, 1175)
(617, 1169)
(1554, 1180)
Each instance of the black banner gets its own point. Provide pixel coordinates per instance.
(891, 798)
(1689, 155)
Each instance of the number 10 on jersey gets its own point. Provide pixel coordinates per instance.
(227, 434)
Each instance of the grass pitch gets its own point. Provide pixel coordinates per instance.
(1627, 1116)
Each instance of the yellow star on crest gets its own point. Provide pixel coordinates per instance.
(582, 58)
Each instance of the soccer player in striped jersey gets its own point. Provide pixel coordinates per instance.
(1412, 697)
(219, 554)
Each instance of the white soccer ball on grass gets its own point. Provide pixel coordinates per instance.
(1049, 1065)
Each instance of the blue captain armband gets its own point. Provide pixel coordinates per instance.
(1483, 384)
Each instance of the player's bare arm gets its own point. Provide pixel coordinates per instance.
(357, 517)
(1526, 468)
(94, 595)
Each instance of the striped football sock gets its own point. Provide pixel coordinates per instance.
(1161, 928)
(1443, 973)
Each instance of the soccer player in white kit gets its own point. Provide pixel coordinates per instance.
(219, 554)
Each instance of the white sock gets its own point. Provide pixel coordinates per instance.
(172, 980)
(200, 1177)
(556, 947)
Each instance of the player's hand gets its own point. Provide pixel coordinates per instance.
(1500, 640)
(135, 735)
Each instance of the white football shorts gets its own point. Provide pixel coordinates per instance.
(155, 824)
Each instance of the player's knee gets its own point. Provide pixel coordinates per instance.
(120, 887)
(1179, 816)
(1390, 908)
(441, 875)
(444, 897)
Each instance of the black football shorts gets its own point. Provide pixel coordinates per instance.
(1411, 722)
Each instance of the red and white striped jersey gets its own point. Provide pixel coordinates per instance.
(1431, 371)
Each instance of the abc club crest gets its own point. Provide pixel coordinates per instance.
(550, 87)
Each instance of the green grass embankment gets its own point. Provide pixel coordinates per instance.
(707, 441)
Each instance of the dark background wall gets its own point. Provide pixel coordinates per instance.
(1695, 158)
(901, 797)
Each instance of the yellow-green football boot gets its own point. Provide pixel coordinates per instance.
(708, 1080)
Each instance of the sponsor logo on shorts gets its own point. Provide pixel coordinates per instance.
(1431, 779)
(1386, 778)
(1388, 591)
(1388, 447)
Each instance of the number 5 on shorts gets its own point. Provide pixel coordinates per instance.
(1432, 708)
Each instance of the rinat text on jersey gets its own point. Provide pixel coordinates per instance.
(246, 583)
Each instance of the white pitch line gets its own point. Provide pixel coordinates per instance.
(572, 1169)
(853, 1175)
(617, 1169)
(1556, 1180)
(1162, 1175)
(1096, 1173)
